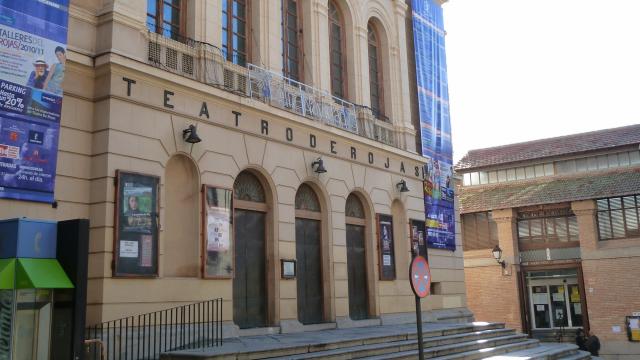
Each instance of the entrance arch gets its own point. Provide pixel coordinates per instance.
(250, 302)
(356, 223)
(309, 256)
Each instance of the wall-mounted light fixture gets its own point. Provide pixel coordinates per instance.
(189, 135)
(497, 254)
(319, 166)
(402, 186)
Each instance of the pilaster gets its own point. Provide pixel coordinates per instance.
(585, 212)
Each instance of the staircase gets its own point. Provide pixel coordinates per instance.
(441, 341)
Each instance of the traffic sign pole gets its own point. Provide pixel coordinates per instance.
(419, 326)
(420, 279)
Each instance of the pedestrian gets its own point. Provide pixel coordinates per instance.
(580, 340)
(593, 344)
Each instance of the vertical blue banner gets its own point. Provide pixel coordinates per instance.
(33, 38)
(435, 124)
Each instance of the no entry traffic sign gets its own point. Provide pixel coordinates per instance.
(420, 276)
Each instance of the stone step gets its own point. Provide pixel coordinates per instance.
(478, 353)
(390, 346)
(283, 345)
(545, 351)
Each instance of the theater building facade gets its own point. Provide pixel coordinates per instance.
(563, 213)
(247, 150)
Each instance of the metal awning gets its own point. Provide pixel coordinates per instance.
(33, 274)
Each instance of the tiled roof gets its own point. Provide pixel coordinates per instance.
(549, 190)
(563, 145)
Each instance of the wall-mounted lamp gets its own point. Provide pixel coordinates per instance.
(402, 186)
(497, 254)
(189, 135)
(319, 166)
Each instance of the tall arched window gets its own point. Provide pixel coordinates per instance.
(375, 72)
(291, 40)
(167, 17)
(356, 224)
(235, 41)
(336, 53)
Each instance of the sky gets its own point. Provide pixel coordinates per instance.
(522, 70)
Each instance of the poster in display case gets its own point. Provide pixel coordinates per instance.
(387, 262)
(136, 236)
(218, 233)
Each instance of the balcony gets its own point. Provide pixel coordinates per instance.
(205, 63)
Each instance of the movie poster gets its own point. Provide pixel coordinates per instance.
(137, 233)
(218, 212)
(33, 37)
(385, 244)
(435, 124)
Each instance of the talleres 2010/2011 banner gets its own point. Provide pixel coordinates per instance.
(33, 37)
(435, 124)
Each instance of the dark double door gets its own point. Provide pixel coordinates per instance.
(309, 271)
(249, 283)
(357, 273)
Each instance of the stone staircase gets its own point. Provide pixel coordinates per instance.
(441, 341)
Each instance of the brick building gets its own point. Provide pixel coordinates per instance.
(564, 213)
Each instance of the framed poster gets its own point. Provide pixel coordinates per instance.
(136, 235)
(387, 262)
(217, 247)
(418, 238)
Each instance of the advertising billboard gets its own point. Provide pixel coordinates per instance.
(33, 37)
(435, 124)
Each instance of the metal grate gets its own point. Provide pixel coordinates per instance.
(549, 254)
(187, 64)
(154, 52)
(172, 59)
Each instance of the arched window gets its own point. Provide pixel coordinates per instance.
(235, 41)
(375, 72)
(166, 17)
(291, 40)
(306, 199)
(354, 208)
(248, 188)
(336, 52)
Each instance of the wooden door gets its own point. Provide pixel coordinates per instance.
(357, 273)
(249, 283)
(308, 256)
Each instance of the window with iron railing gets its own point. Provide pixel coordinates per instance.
(166, 17)
(375, 73)
(547, 226)
(235, 29)
(336, 52)
(480, 231)
(292, 57)
(618, 217)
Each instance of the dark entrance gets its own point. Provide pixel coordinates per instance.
(309, 271)
(356, 259)
(249, 283)
(309, 256)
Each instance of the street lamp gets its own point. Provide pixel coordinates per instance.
(497, 254)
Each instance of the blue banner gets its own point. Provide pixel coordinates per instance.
(435, 125)
(33, 37)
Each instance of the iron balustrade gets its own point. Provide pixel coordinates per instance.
(208, 64)
(146, 336)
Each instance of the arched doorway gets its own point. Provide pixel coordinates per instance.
(309, 256)
(356, 258)
(249, 282)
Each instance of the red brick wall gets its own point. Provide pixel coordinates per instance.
(492, 296)
(616, 293)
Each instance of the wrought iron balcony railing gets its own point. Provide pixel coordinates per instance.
(207, 64)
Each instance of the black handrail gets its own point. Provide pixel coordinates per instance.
(146, 336)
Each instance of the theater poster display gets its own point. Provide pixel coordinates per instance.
(136, 240)
(33, 36)
(218, 222)
(435, 124)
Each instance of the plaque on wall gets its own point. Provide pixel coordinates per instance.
(218, 233)
(387, 263)
(418, 239)
(136, 236)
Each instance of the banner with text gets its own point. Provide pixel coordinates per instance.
(33, 37)
(435, 124)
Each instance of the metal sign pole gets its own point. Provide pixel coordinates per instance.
(419, 326)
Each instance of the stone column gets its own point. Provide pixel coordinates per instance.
(266, 35)
(585, 211)
(361, 58)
